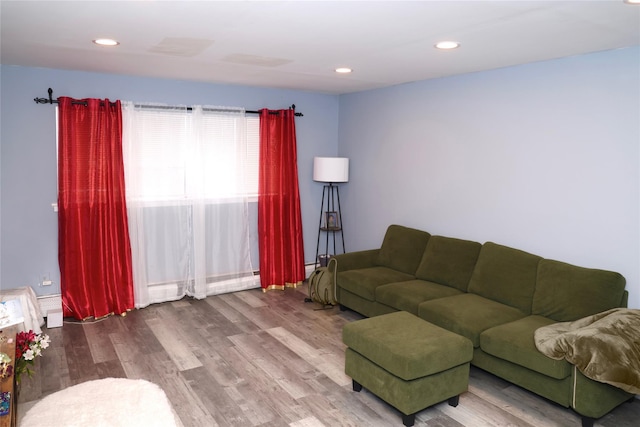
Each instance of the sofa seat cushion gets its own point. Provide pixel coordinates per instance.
(408, 295)
(402, 248)
(566, 292)
(506, 275)
(468, 314)
(514, 341)
(364, 281)
(449, 261)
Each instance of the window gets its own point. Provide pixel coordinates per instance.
(184, 154)
(188, 173)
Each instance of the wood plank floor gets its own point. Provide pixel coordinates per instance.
(265, 359)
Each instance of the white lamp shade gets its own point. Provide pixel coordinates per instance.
(331, 169)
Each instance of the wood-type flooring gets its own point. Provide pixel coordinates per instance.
(265, 359)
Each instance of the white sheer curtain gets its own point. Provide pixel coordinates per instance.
(187, 201)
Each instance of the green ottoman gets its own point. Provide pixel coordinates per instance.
(406, 361)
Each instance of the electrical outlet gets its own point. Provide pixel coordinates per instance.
(46, 280)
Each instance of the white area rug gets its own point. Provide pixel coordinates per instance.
(113, 402)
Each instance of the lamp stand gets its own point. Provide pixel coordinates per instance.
(332, 223)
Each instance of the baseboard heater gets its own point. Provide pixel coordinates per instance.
(51, 308)
(51, 305)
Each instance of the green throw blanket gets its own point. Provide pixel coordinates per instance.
(604, 347)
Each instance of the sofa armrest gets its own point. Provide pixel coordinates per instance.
(358, 259)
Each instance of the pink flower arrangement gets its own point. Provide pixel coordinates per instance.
(28, 346)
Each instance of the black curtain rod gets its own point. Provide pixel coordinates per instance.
(50, 100)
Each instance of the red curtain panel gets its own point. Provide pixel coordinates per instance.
(94, 251)
(279, 217)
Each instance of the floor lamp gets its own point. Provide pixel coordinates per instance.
(330, 170)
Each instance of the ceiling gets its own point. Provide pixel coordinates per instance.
(298, 44)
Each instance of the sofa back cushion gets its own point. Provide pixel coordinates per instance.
(402, 248)
(505, 275)
(449, 261)
(566, 292)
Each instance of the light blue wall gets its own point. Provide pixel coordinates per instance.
(542, 157)
(28, 154)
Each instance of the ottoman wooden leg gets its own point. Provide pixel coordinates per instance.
(356, 385)
(587, 421)
(454, 401)
(408, 420)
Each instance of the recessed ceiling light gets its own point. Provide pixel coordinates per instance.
(343, 70)
(106, 42)
(632, 1)
(447, 45)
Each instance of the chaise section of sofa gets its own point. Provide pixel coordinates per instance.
(563, 292)
(495, 296)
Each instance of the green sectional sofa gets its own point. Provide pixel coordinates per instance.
(495, 296)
